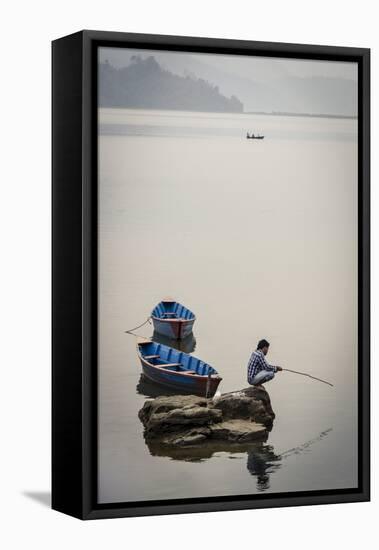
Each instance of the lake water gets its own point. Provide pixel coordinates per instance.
(259, 239)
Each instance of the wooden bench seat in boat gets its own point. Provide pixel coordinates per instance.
(151, 356)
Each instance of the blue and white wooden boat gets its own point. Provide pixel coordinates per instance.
(172, 319)
(177, 370)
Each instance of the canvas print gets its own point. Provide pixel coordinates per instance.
(227, 275)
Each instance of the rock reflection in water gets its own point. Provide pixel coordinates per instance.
(188, 345)
(200, 453)
(262, 461)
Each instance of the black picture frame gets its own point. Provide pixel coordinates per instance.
(74, 295)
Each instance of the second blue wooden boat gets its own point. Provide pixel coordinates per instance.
(176, 369)
(172, 319)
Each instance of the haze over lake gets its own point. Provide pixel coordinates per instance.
(258, 238)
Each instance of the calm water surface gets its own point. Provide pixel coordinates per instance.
(258, 239)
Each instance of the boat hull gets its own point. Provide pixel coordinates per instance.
(176, 329)
(196, 385)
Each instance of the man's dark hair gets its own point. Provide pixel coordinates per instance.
(263, 344)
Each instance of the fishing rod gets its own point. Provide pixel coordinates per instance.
(218, 394)
(309, 376)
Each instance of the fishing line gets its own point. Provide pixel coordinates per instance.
(306, 445)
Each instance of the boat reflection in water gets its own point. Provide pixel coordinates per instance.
(150, 389)
(188, 344)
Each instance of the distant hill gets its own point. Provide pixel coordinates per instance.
(261, 84)
(144, 84)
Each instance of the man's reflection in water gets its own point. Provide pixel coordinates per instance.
(261, 462)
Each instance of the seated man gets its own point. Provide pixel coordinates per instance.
(258, 370)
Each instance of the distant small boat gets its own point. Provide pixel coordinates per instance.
(172, 319)
(176, 369)
(252, 136)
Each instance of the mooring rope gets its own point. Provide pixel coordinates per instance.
(131, 331)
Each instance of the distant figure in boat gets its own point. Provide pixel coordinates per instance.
(258, 370)
(253, 136)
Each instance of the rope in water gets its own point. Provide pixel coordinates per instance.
(131, 331)
(309, 376)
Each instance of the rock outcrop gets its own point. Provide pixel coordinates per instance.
(251, 403)
(187, 420)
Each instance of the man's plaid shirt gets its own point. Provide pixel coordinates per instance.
(257, 363)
